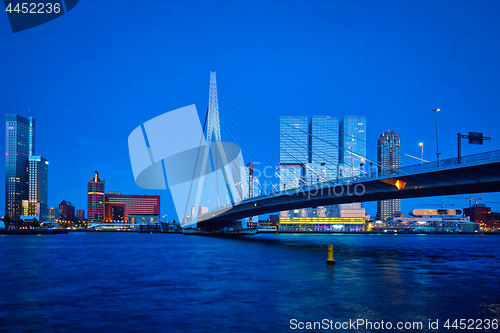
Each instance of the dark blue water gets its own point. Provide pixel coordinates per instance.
(133, 282)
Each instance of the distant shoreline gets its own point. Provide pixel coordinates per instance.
(43, 231)
(383, 233)
(40, 231)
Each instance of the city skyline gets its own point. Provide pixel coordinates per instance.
(307, 126)
(395, 79)
(208, 158)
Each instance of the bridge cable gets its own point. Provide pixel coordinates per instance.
(414, 157)
(310, 135)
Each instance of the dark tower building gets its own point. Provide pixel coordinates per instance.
(19, 145)
(118, 207)
(67, 210)
(478, 213)
(95, 199)
(389, 160)
(80, 215)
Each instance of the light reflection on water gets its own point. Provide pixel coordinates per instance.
(161, 282)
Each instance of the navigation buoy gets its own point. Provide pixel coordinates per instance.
(330, 259)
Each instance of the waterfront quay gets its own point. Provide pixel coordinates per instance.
(47, 231)
(384, 232)
(37, 231)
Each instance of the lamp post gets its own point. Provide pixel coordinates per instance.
(437, 146)
(352, 156)
(421, 144)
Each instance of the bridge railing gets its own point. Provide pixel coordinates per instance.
(468, 159)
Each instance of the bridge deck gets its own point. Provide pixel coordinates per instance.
(478, 173)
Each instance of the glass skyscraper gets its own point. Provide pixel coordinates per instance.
(352, 145)
(324, 147)
(294, 150)
(323, 150)
(389, 160)
(321, 138)
(19, 144)
(352, 139)
(38, 187)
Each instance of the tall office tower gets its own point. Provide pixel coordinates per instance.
(38, 187)
(31, 136)
(253, 191)
(324, 147)
(323, 150)
(294, 151)
(352, 140)
(294, 155)
(389, 160)
(352, 145)
(19, 145)
(323, 157)
(322, 165)
(250, 194)
(95, 199)
(249, 171)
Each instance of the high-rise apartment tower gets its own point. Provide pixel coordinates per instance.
(389, 161)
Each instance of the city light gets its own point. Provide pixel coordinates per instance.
(421, 144)
(307, 148)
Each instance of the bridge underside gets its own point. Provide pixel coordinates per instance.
(219, 224)
(454, 180)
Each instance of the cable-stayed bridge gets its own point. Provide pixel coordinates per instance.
(477, 173)
(211, 188)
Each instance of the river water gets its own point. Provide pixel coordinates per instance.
(130, 282)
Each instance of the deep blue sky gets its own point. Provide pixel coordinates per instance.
(96, 73)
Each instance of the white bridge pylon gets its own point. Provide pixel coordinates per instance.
(231, 177)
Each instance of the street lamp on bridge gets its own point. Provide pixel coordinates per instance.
(421, 144)
(437, 146)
